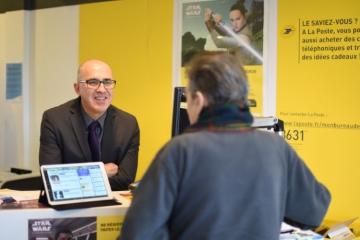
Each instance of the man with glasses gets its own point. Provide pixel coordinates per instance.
(89, 128)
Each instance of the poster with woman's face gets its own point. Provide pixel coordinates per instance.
(234, 26)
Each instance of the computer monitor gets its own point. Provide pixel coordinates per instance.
(180, 120)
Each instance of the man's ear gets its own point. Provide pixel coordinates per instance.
(77, 88)
(201, 100)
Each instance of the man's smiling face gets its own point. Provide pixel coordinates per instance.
(95, 101)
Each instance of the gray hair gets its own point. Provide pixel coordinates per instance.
(219, 76)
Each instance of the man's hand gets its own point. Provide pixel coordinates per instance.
(111, 169)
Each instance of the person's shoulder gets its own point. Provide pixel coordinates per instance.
(269, 136)
(247, 30)
(66, 105)
(274, 140)
(62, 108)
(120, 113)
(187, 140)
(177, 145)
(182, 146)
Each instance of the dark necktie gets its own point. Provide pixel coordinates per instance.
(94, 140)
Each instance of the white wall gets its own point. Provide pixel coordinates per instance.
(2, 85)
(46, 42)
(56, 60)
(12, 42)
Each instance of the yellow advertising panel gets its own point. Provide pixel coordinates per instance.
(109, 227)
(318, 93)
(209, 25)
(101, 227)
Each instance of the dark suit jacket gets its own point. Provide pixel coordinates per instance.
(64, 139)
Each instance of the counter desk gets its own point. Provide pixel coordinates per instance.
(28, 219)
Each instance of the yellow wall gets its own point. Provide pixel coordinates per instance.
(135, 38)
(328, 88)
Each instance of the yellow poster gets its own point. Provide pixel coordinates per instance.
(318, 93)
(109, 227)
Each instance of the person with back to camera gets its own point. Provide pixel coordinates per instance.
(89, 128)
(223, 179)
(240, 45)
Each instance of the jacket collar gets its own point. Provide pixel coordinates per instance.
(80, 129)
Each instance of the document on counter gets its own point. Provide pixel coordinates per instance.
(289, 232)
(12, 199)
(20, 195)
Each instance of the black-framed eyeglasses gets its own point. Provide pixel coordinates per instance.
(94, 83)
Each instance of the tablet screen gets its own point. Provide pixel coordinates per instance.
(70, 183)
